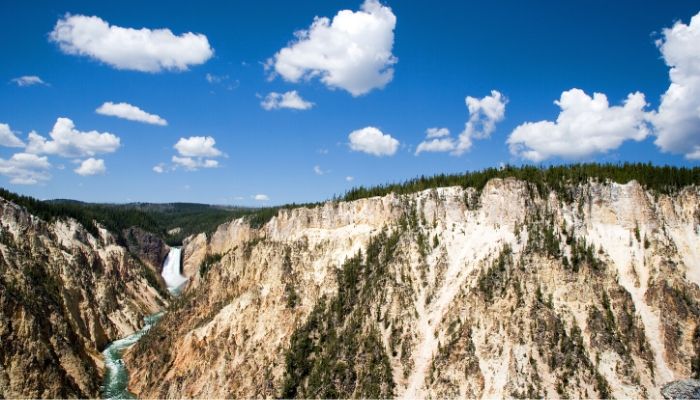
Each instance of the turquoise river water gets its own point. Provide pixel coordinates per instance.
(116, 380)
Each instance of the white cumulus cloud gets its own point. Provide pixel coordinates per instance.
(436, 146)
(130, 112)
(66, 141)
(197, 146)
(349, 178)
(91, 166)
(261, 197)
(210, 164)
(585, 126)
(186, 162)
(677, 121)
(292, 99)
(28, 80)
(372, 141)
(145, 50)
(437, 140)
(8, 138)
(484, 114)
(196, 152)
(25, 169)
(352, 52)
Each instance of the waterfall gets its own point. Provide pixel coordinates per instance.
(116, 380)
(171, 270)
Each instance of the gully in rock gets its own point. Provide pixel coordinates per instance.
(116, 380)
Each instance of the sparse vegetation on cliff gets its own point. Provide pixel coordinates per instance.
(208, 262)
(338, 352)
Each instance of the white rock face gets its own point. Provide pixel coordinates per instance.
(472, 304)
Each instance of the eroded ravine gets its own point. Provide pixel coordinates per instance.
(116, 380)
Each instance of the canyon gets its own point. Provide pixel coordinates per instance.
(507, 290)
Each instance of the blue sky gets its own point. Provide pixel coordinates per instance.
(530, 53)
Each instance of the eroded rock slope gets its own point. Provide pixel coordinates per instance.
(450, 292)
(64, 295)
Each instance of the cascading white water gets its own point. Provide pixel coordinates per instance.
(171, 270)
(116, 377)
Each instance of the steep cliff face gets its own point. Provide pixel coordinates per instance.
(147, 247)
(443, 293)
(64, 295)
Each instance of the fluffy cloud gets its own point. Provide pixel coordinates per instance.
(66, 141)
(91, 166)
(432, 133)
(197, 146)
(585, 126)
(261, 197)
(8, 138)
(28, 80)
(142, 49)
(160, 168)
(193, 164)
(132, 113)
(186, 162)
(349, 178)
(351, 52)
(436, 146)
(25, 169)
(677, 122)
(274, 101)
(484, 114)
(196, 152)
(372, 141)
(437, 140)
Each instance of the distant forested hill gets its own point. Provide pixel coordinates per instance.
(159, 219)
(171, 221)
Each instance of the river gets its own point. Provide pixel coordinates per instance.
(116, 381)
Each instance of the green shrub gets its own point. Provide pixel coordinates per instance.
(207, 263)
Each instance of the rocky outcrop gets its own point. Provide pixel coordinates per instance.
(147, 247)
(64, 295)
(151, 251)
(682, 390)
(450, 292)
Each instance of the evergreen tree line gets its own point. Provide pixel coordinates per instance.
(662, 179)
